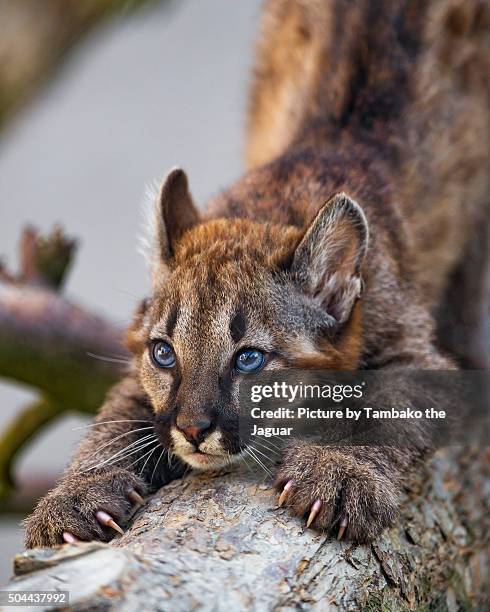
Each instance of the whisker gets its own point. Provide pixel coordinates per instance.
(260, 452)
(267, 448)
(259, 462)
(126, 433)
(124, 292)
(145, 455)
(123, 450)
(107, 422)
(262, 464)
(136, 443)
(138, 458)
(156, 465)
(273, 450)
(268, 441)
(243, 456)
(135, 450)
(278, 437)
(107, 463)
(109, 359)
(149, 457)
(254, 459)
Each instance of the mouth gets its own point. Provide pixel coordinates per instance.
(204, 461)
(200, 457)
(208, 455)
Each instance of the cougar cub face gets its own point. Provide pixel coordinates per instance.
(233, 297)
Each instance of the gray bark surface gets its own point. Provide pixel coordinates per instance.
(219, 542)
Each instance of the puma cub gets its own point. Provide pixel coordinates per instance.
(357, 239)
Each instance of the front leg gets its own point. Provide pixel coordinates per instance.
(85, 507)
(351, 490)
(355, 490)
(121, 458)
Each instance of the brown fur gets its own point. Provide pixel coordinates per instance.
(386, 101)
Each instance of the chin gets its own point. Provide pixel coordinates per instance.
(204, 461)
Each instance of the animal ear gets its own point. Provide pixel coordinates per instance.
(175, 214)
(327, 262)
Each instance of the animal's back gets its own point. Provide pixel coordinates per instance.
(366, 66)
(407, 80)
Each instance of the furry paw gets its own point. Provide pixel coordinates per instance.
(338, 490)
(85, 507)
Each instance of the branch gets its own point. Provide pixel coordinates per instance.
(206, 543)
(46, 341)
(68, 353)
(36, 36)
(21, 429)
(49, 343)
(44, 260)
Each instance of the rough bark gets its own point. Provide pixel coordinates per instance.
(221, 543)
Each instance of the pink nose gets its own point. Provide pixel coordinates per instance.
(196, 431)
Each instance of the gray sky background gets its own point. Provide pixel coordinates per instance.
(165, 87)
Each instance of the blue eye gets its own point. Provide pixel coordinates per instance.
(249, 360)
(163, 354)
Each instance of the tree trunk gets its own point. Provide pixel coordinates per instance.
(220, 543)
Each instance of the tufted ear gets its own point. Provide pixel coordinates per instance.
(175, 214)
(327, 262)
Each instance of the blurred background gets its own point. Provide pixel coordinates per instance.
(111, 98)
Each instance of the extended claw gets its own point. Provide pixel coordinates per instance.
(136, 498)
(343, 527)
(69, 538)
(107, 520)
(315, 509)
(285, 492)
